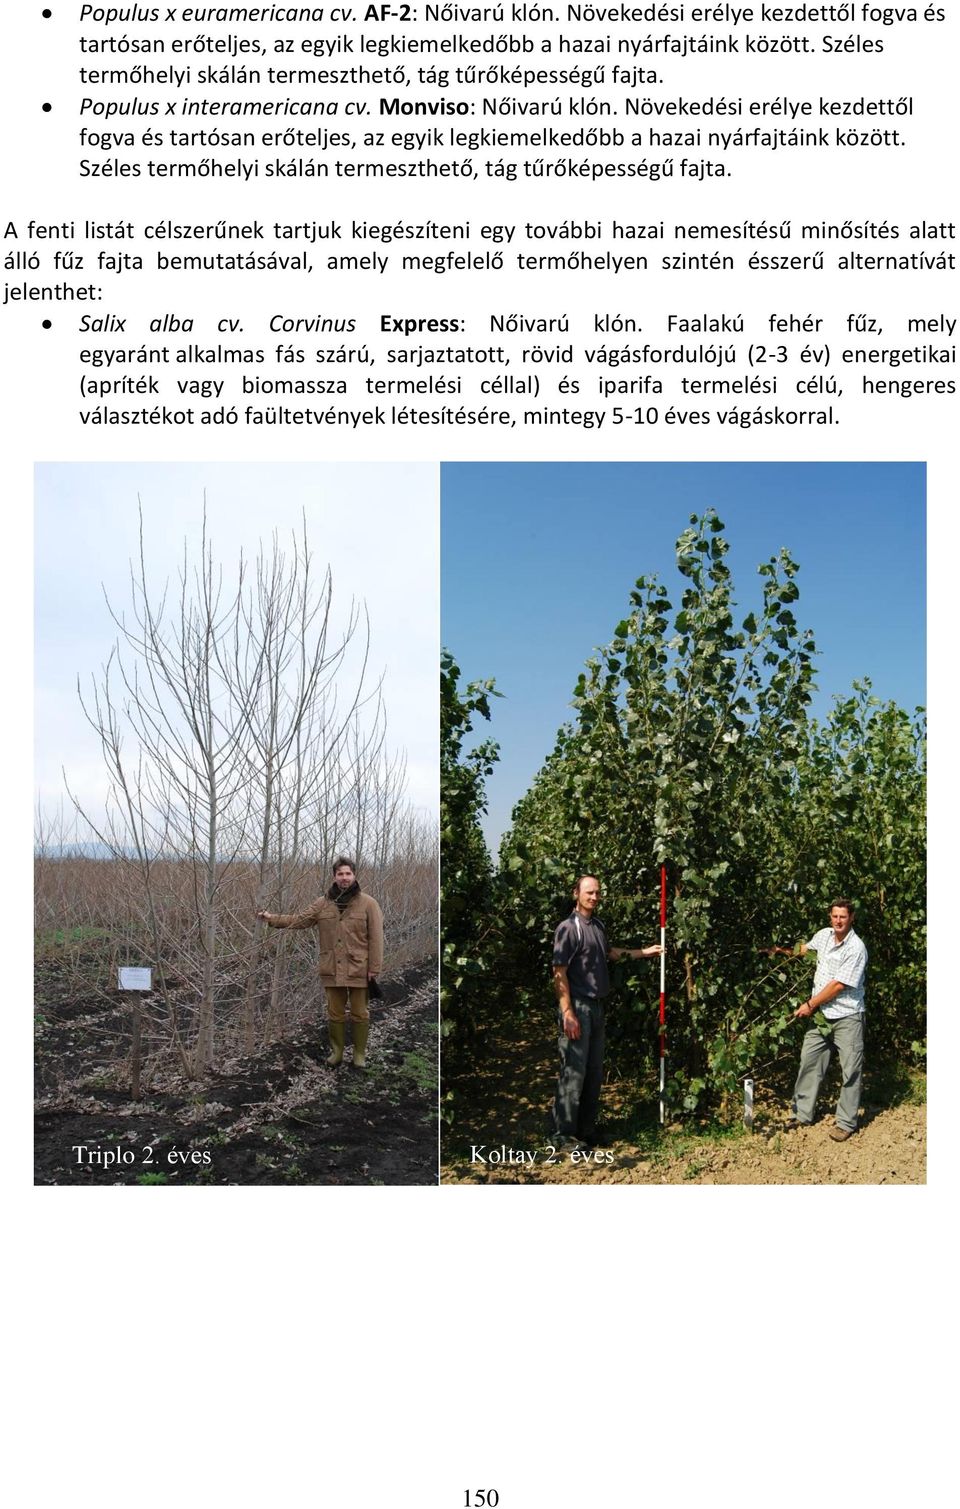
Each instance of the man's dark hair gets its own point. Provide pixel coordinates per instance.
(343, 860)
(842, 901)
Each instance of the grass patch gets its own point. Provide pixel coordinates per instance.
(96, 1082)
(643, 1131)
(894, 1085)
(639, 1128)
(416, 1074)
(420, 1070)
(270, 1132)
(65, 937)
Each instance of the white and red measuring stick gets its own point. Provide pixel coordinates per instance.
(663, 993)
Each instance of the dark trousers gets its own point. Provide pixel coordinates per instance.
(581, 1072)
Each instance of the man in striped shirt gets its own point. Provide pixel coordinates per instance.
(838, 996)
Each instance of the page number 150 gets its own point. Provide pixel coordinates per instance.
(480, 1498)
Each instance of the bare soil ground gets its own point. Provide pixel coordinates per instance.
(500, 1135)
(281, 1117)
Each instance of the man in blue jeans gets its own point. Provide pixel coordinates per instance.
(582, 980)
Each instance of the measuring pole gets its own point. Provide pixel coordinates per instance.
(663, 992)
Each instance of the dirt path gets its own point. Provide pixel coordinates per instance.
(500, 1137)
(281, 1117)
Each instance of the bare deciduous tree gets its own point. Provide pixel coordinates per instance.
(245, 744)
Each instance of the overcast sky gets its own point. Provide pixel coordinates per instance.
(531, 594)
(375, 525)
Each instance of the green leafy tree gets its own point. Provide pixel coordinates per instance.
(466, 869)
(692, 747)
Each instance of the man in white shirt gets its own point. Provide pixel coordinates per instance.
(838, 996)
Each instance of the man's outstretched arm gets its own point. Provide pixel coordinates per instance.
(308, 918)
(635, 953)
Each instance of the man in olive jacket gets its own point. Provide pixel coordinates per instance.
(350, 924)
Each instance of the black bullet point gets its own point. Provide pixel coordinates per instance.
(46, 14)
(48, 324)
(48, 107)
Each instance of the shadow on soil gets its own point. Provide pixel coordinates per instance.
(501, 1116)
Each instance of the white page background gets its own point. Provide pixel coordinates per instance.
(367, 1349)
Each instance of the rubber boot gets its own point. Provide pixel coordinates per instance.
(338, 1036)
(361, 1031)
